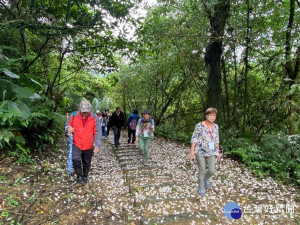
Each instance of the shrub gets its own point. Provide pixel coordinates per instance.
(275, 155)
(168, 131)
(26, 119)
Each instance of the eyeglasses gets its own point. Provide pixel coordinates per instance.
(212, 115)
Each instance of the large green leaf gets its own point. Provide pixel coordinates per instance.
(6, 135)
(19, 108)
(10, 74)
(293, 89)
(25, 111)
(13, 106)
(23, 92)
(36, 82)
(8, 87)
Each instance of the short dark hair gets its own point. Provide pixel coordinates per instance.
(118, 107)
(211, 111)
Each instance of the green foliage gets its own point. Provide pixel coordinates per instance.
(4, 214)
(22, 155)
(276, 155)
(24, 114)
(169, 132)
(95, 104)
(14, 113)
(19, 180)
(12, 202)
(50, 58)
(44, 126)
(3, 179)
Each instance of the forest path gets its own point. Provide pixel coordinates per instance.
(123, 191)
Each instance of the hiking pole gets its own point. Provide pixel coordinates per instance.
(70, 155)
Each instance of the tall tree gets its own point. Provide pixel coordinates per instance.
(217, 15)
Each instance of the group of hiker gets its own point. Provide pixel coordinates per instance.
(104, 119)
(87, 129)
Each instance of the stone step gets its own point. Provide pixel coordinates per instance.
(128, 158)
(123, 154)
(140, 168)
(111, 140)
(168, 198)
(125, 151)
(166, 208)
(137, 163)
(162, 193)
(181, 219)
(120, 148)
(165, 188)
(165, 184)
(147, 175)
(146, 170)
(134, 158)
(149, 180)
(121, 143)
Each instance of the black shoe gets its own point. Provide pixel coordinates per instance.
(85, 180)
(79, 181)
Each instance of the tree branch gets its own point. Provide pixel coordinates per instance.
(38, 55)
(8, 10)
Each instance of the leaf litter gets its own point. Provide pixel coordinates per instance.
(45, 188)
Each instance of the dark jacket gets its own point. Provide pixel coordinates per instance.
(118, 121)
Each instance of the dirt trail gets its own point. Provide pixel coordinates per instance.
(122, 191)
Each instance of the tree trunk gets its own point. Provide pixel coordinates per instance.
(235, 90)
(291, 71)
(213, 53)
(226, 97)
(246, 66)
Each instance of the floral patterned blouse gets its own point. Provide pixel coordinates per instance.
(201, 137)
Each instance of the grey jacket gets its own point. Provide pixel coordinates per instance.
(139, 127)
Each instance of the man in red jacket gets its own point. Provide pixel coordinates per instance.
(86, 129)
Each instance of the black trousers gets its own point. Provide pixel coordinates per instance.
(131, 132)
(117, 134)
(85, 157)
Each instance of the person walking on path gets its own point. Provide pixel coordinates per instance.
(108, 119)
(131, 124)
(117, 121)
(86, 129)
(104, 123)
(144, 133)
(99, 114)
(205, 146)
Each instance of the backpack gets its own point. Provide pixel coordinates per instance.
(133, 124)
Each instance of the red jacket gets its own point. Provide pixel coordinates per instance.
(85, 137)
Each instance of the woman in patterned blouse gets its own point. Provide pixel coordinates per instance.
(205, 145)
